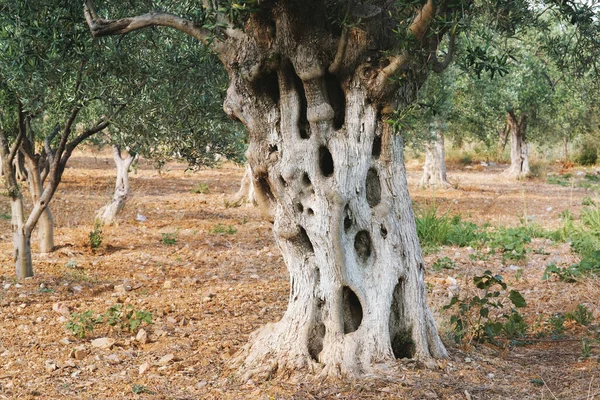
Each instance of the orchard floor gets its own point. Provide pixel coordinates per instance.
(223, 277)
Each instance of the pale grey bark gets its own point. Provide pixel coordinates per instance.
(519, 148)
(108, 213)
(45, 224)
(434, 170)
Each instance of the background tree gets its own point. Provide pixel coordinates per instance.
(314, 82)
(171, 116)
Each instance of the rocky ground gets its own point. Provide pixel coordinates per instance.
(210, 275)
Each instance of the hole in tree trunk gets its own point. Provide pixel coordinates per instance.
(400, 335)
(352, 310)
(310, 211)
(263, 185)
(325, 161)
(383, 231)
(268, 85)
(282, 181)
(306, 180)
(347, 218)
(337, 100)
(376, 150)
(362, 245)
(373, 188)
(317, 332)
(299, 207)
(303, 241)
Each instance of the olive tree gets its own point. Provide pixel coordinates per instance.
(314, 82)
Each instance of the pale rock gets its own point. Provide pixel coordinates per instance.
(80, 353)
(7, 286)
(143, 368)
(166, 359)
(50, 366)
(113, 359)
(168, 285)
(62, 319)
(103, 343)
(65, 341)
(142, 336)
(450, 281)
(60, 308)
(91, 368)
(171, 320)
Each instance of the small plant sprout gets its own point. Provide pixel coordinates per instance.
(201, 188)
(221, 229)
(95, 236)
(169, 239)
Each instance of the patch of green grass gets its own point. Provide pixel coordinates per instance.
(443, 263)
(221, 229)
(169, 239)
(5, 216)
(581, 315)
(140, 389)
(201, 188)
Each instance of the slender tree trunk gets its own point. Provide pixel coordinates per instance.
(107, 214)
(246, 192)
(45, 224)
(519, 148)
(434, 170)
(566, 148)
(331, 174)
(21, 239)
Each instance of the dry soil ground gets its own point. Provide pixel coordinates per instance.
(211, 275)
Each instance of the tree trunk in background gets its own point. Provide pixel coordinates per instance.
(566, 148)
(246, 192)
(107, 214)
(434, 170)
(519, 148)
(45, 224)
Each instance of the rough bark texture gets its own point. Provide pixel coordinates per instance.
(107, 214)
(519, 148)
(434, 170)
(329, 173)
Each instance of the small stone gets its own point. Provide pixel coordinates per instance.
(431, 364)
(80, 354)
(91, 367)
(113, 359)
(468, 360)
(7, 286)
(143, 368)
(201, 384)
(159, 332)
(142, 336)
(65, 341)
(171, 320)
(168, 285)
(166, 359)
(50, 366)
(103, 343)
(60, 308)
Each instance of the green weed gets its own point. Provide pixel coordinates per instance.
(201, 188)
(81, 323)
(95, 236)
(220, 229)
(443, 263)
(581, 315)
(169, 239)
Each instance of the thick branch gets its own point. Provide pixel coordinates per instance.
(106, 27)
(439, 66)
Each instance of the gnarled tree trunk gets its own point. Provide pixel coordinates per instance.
(434, 170)
(108, 213)
(519, 148)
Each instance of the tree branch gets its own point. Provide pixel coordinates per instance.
(106, 27)
(440, 66)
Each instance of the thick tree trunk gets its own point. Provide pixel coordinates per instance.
(45, 224)
(331, 174)
(107, 215)
(434, 170)
(246, 192)
(328, 171)
(519, 148)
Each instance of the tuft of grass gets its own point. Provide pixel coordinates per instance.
(443, 263)
(201, 188)
(169, 239)
(95, 236)
(221, 229)
(581, 315)
(5, 216)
